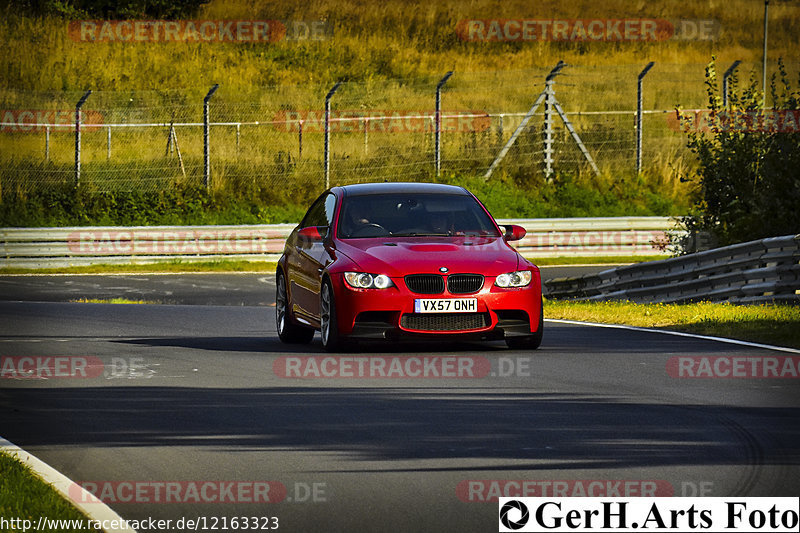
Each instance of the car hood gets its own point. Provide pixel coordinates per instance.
(420, 255)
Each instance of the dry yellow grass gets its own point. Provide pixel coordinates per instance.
(390, 39)
(395, 50)
(773, 324)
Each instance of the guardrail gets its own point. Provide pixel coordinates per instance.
(766, 270)
(79, 246)
(595, 237)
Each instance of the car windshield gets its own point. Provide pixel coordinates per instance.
(413, 215)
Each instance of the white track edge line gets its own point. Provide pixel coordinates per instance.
(133, 273)
(678, 334)
(93, 508)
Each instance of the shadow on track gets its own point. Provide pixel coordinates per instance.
(551, 430)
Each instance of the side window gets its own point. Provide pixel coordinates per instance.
(330, 209)
(321, 212)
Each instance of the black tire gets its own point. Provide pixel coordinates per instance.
(332, 340)
(288, 331)
(529, 342)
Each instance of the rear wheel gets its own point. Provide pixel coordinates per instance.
(529, 342)
(288, 331)
(332, 340)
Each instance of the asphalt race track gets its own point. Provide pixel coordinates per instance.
(186, 411)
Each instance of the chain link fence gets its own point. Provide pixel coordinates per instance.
(276, 137)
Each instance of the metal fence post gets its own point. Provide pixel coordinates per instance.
(327, 148)
(639, 116)
(500, 132)
(725, 82)
(524, 123)
(299, 139)
(437, 144)
(206, 147)
(547, 134)
(366, 136)
(78, 137)
(47, 143)
(238, 135)
(549, 104)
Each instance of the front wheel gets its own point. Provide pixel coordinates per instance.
(529, 342)
(288, 331)
(332, 340)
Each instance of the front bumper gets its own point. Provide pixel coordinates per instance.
(389, 313)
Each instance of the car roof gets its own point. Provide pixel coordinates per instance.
(360, 189)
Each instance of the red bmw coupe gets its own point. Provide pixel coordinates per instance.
(385, 260)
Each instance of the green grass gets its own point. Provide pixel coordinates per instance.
(566, 196)
(171, 267)
(594, 260)
(25, 496)
(770, 324)
(174, 205)
(175, 267)
(122, 301)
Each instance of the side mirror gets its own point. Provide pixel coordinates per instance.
(514, 232)
(313, 233)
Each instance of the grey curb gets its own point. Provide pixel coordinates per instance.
(87, 503)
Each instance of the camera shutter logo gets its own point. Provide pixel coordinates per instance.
(523, 511)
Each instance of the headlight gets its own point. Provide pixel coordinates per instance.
(514, 279)
(362, 280)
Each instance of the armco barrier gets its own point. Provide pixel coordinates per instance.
(597, 237)
(766, 270)
(79, 246)
(62, 247)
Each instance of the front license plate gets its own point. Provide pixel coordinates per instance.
(446, 305)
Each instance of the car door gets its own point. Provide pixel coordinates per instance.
(310, 257)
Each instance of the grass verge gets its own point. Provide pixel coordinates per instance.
(114, 301)
(770, 324)
(172, 267)
(176, 267)
(594, 260)
(23, 495)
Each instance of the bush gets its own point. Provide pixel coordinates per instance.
(748, 182)
(178, 205)
(239, 201)
(158, 9)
